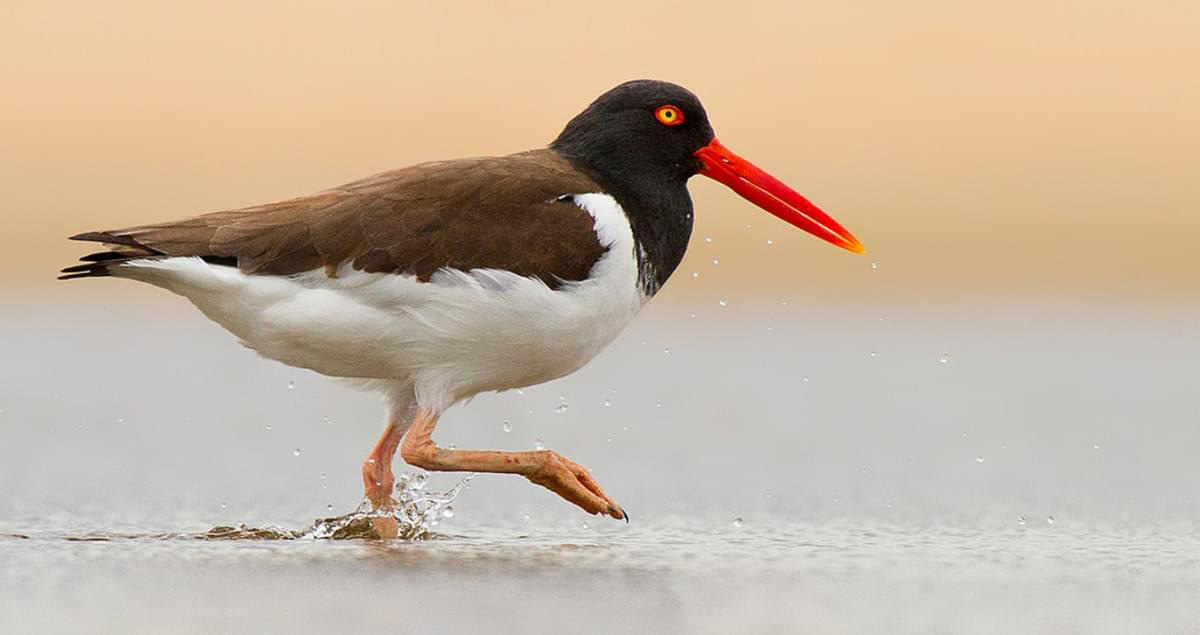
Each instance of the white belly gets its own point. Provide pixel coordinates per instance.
(446, 340)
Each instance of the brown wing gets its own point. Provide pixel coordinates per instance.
(493, 212)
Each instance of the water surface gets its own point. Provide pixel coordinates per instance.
(1041, 478)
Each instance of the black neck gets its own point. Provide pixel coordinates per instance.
(659, 209)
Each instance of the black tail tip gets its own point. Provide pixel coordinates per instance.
(85, 270)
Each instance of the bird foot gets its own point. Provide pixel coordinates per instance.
(573, 482)
(385, 527)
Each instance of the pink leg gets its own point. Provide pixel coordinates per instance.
(377, 468)
(549, 469)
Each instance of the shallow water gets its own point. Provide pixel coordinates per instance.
(668, 575)
(854, 501)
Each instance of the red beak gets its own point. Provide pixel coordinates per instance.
(773, 195)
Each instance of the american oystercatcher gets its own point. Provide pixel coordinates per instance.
(436, 282)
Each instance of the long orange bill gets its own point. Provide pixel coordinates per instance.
(773, 195)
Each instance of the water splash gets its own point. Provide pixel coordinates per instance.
(415, 511)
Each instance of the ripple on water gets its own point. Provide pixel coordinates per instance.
(415, 510)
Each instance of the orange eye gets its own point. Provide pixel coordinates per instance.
(669, 115)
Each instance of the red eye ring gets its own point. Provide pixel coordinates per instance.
(669, 115)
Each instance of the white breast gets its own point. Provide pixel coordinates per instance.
(461, 333)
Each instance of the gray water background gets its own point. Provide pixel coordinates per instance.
(786, 469)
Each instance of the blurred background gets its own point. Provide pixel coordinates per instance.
(1039, 150)
(1016, 353)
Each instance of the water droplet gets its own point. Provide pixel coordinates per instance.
(1021, 521)
(964, 435)
(708, 239)
(452, 446)
(324, 476)
(328, 421)
(447, 512)
(695, 274)
(722, 302)
(525, 518)
(692, 315)
(270, 428)
(716, 262)
(296, 452)
(562, 397)
(585, 524)
(560, 409)
(770, 242)
(658, 405)
(1049, 520)
(506, 426)
(874, 265)
(538, 444)
(224, 505)
(120, 419)
(805, 379)
(607, 402)
(608, 440)
(520, 391)
(874, 353)
(945, 359)
(979, 459)
(666, 351)
(291, 385)
(370, 461)
(1096, 446)
(329, 507)
(738, 522)
(419, 481)
(531, 411)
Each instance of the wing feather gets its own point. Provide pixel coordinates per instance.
(490, 212)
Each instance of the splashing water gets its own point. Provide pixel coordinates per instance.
(415, 510)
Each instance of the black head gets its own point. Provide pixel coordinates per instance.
(642, 129)
(639, 142)
(643, 140)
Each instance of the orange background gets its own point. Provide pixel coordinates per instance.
(1031, 149)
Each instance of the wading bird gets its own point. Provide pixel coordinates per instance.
(436, 282)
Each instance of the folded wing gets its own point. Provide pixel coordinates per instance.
(509, 213)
